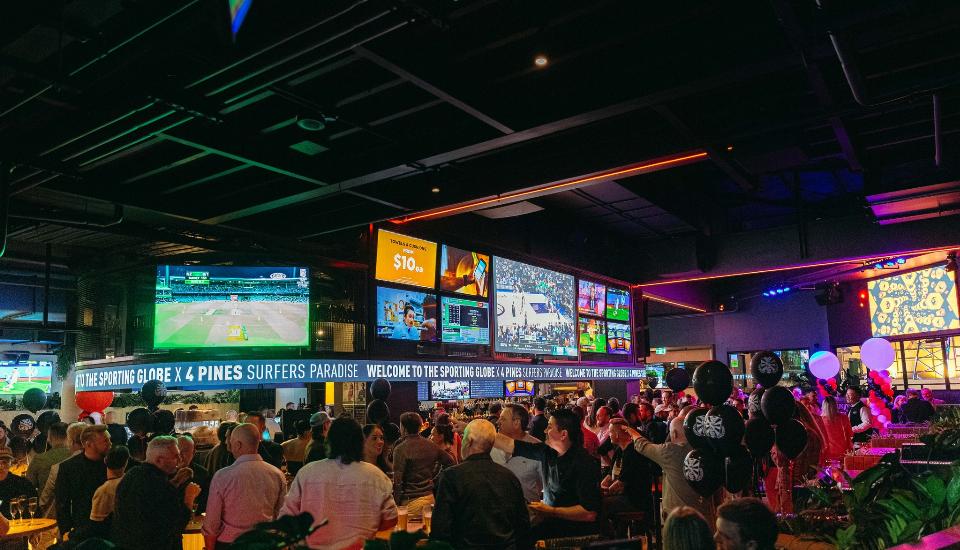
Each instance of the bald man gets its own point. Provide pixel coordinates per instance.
(464, 515)
(247, 492)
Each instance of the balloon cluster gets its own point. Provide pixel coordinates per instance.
(880, 391)
(377, 410)
(772, 409)
(827, 387)
(716, 434)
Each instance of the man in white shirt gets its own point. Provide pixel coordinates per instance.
(513, 421)
(248, 492)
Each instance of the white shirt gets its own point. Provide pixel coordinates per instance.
(248, 492)
(355, 497)
(527, 471)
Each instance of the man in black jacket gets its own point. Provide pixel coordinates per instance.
(151, 512)
(538, 423)
(480, 504)
(79, 477)
(916, 409)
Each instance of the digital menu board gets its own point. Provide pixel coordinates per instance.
(914, 303)
(465, 321)
(406, 260)
(618, 304)
(464, 272)
(486, 389)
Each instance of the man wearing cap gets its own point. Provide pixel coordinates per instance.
(317, 448)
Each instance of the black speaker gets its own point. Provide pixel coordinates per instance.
(641, 341)
(828, 293)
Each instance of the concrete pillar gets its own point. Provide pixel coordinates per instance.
(68, 398)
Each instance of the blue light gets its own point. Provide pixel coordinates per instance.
(779, 291)
(786, 289)
(901, 261)
(878, 266)
(767, 294)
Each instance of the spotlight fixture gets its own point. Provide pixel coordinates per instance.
(435, 190)
(311, 124)
(541, 60)
(862, 298)
(777, 291)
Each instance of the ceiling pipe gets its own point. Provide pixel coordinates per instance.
(118, 219)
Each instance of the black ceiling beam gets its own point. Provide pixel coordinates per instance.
(620, 213)
(718, 155)
(794, 31)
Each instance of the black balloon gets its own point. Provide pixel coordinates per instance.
(45, 419)
(40, 443)
(377, 412)
(739, 470)
(140, 421)
(766, 368)
(163, 422)
(703, 470)
(380, 388)
(693, 429)
(678, 379)
(759, 436)
(753, 402)
(723, 428)
(778, 405)
(791, 438)
(713, 382)
(153, 393)
(23, 425)
(34, 399)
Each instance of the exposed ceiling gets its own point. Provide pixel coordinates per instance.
(144, 129)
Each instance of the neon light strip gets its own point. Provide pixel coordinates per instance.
(579, 181)
(238, 12)
(672, 303)
(867, 259)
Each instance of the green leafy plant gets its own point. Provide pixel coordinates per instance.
(66, 358)
(889, 505)
(406, 541)
(287, 532)
(133, 399)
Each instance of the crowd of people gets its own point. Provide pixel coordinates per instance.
(501, 475)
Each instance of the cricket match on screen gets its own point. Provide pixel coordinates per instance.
(231, 306)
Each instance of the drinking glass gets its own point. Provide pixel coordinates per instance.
(32, 504)
(401, 518)
(427, 517)
(15, 511)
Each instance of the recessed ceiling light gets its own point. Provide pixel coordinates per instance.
(541, 60)
(311, 124)
(435, 190)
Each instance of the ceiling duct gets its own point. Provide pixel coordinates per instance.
(918, 203)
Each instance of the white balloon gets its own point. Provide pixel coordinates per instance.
(877, 354)
(824, 364)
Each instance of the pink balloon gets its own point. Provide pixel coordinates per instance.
(824, 364)
(883, 418)
(877, 354)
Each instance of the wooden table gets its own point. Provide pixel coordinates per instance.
(413, 525)
(21, 528)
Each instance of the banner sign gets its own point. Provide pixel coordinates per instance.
(226, 374)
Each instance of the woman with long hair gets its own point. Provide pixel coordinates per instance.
(373, 442)
(685, 529)
(838, 431)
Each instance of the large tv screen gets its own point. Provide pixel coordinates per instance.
(593, 336)
(231, 306)
(535, 310)
(406, 315)
(591, 298)
(444, 390)
(464, 272)
(618, 304)
(405, 260)
(914, 303)
(465, 321)
(618, 338)
(16, 377)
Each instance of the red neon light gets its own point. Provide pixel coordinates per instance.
(578, 181)
(672, 303)
(868, 259)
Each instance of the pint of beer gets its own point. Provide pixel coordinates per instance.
(401, 518)
(427, 517)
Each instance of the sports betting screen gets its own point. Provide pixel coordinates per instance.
(618, 304)
(914, 303)
(231, 306)
(465, 321)
(406, 260)
(535, 310)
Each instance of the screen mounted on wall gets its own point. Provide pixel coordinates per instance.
(231, 306)
(406, 260)
(914, 303)
(464, 272)
(444, 390)
(618, 338)
(406, 315)
(16, 377)
(591, 298)
(618, 304)
(465, 321)
(535, 310)
(593, 335)
(519, 388)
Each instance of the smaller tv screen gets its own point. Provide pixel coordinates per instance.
(463, 271)
(593, 336)
(591, 298)
(16, 377)
(489, 389)
(618, 338)
(519, 388)
(423, 391)
(618, 304)
(446, 390)
(465, 321)
(406, 315)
